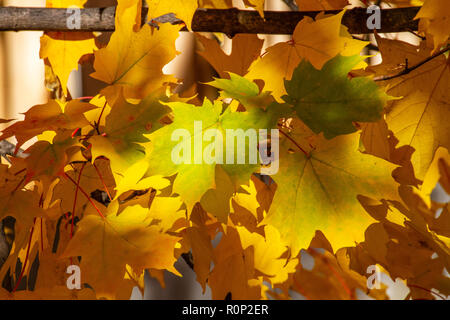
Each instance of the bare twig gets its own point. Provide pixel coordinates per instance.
(294, 142)
(228, 21)
(408, 69)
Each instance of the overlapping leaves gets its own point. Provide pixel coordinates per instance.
(101, 183)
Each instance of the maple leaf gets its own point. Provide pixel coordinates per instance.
(37, 243)
(24, 205)
(403, 227)
(316, 41)
(444, 171)
(325, 276)
(233, 270)
(51, 116)
(88, 180)
(160, 150)
(114, 155)
(268, 253)
(183, 9)
(317, 191)
(16, 204)
(133, 179)
(258, 5)
(245, 49)
(120, 141)
(64, 50)
(434, 174)
(116, 241)
(409, 223)
(52, 271)
(103, 108)
(168, 211)
(243, 90)
(327, 101)
(378, 140)
(413, 118)
(217, 200)
(251, 203)
(47, 160)
(198, 237)
(133, 60)
(259, 256)
(435, 21)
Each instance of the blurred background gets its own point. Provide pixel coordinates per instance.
(22, 86)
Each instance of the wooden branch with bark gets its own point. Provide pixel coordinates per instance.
(228, 21)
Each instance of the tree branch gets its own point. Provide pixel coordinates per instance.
(228, 21)
(414, 67)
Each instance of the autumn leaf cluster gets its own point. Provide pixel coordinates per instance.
(361, 151)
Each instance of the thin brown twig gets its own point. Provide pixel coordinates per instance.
(103, 182)
(294, 142)
(86, 195)
(75, 199)
(100, 118)
(414, 67)
(416, 34)
(427, 290)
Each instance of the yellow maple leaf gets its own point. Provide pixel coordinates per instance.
(199, 238)
(132, 179)
(183, 9)
(245, 49)
(107, 245)
(54, 116)
(413, 119)
(433, 174)
(233, 269)
(251, 203)
(317, 41)
(435, 20)
(89, 181)
(258, 5)
(318, 191)
(324, 276)
(268, 251)
(134, 60)
(63, 50)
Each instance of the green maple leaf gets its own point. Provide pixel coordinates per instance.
(195, 178)
(328, 101)
(245, 91)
